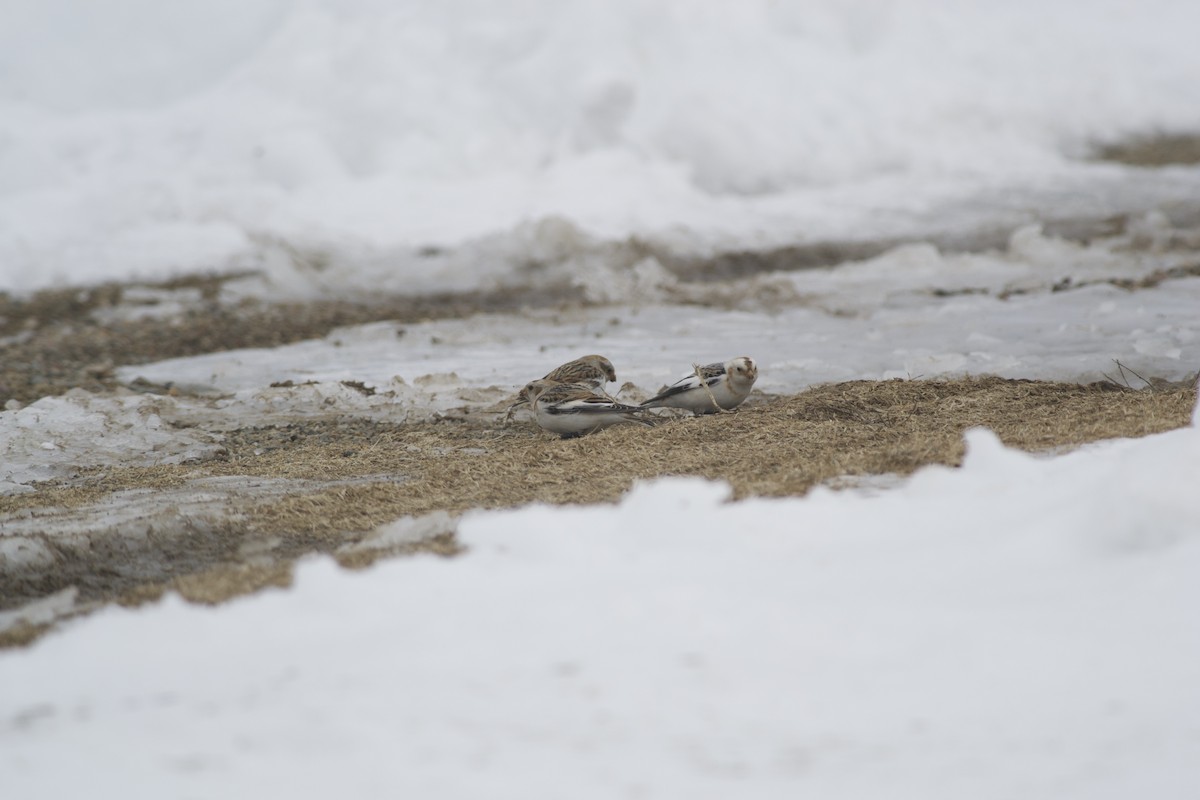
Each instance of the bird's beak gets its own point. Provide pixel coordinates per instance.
(508, 414)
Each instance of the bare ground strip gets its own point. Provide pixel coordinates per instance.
(234, 524)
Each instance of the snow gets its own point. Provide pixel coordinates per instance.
(1018, 627)
(1076, 336)
(147, 141)
(56, 435)
(871, 319)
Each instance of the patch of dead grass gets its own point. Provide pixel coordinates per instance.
(1153, 150)
(228, 581)
(776, 448)
(22, 634)
(376, 472)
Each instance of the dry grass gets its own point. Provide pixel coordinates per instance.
(773, 447)
(1156, 150)
(780, 447)
(353, 476)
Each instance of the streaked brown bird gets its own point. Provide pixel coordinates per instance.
(592, 371)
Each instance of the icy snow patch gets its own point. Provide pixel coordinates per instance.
(870, 320)
(55, 435)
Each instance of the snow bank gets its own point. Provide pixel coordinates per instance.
(1017, 627)
(145, 140)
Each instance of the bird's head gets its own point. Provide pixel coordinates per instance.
(603, 364)
(533, 390)
(742, 370)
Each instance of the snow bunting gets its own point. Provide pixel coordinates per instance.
(710, 387)
(572, 409)
(592, 371)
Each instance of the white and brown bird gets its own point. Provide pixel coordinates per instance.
(709, 388)
(572, 409)
(592, 371)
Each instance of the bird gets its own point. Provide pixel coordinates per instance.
(592, 371)
(573, 409)
(711, 388)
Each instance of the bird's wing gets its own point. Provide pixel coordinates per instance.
(582, 403)
(711, 374)
(577, 372)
